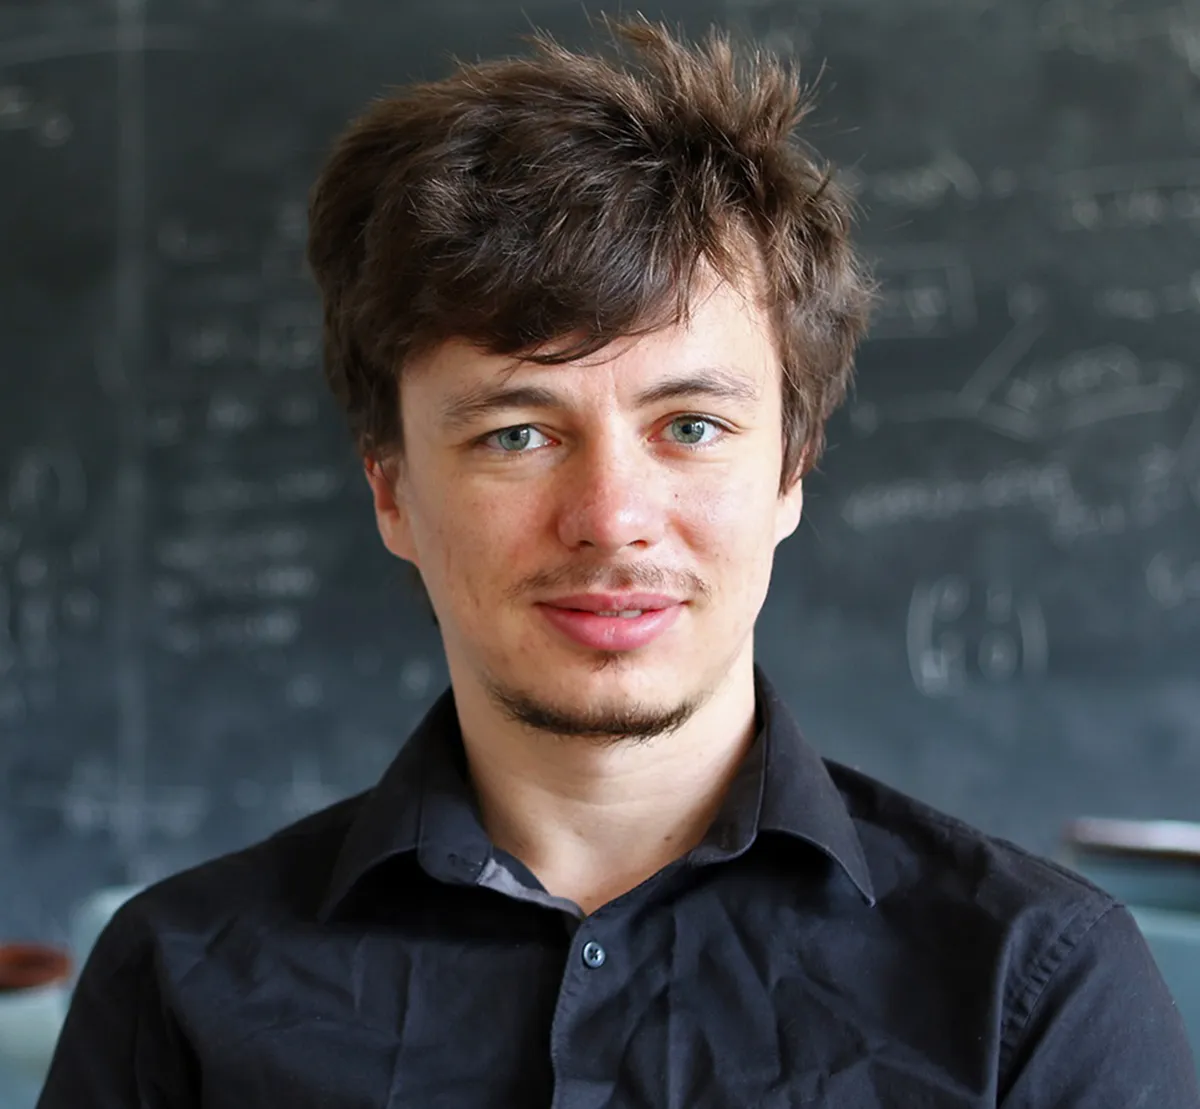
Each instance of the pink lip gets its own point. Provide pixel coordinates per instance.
(613, 602)
(612, 633)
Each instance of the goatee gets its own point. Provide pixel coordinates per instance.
(600, 724)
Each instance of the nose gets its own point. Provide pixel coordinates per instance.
(611, 498)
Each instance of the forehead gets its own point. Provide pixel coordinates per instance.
(726, 332)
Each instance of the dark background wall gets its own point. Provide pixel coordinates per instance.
(994, 602)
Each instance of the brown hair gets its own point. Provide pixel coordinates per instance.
(570, 199)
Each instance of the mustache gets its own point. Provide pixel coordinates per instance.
(614, 579)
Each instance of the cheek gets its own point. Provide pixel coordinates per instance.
(475, 543)
(732, 526)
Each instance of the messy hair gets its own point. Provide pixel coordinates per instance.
(545, 206)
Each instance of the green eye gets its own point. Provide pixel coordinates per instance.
(514, 440)
(691, 429)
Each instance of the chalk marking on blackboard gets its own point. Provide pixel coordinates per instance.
(15, 105)
(230, 415)
(204, 550)
(210, 496)
(1169, 584)
(1034, 641)
(1045, 488)
(307, 791)
(1184, 36)
(937, 671)
(92, 802)
(1134, 177)
(1145, 305)
(8, 644)
(1130, 197)
(318, 483)
(11, 538)
(416, 677)
(1000, 363)
(1098, 29)
(128, 811)
(298, 410)
(1157, 489)
(20, 112)
(304, 691)
(1187, 459)
(81, 608)
(37, 631)
(33, 570)
(925, 291)
(49, 48)
(1086, 388)
(289, 338)
(268, 628)
(938, 663)
(48, 480)
(926, 186)
(1131, 401)
(970, 402)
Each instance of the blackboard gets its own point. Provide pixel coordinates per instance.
(994, 601)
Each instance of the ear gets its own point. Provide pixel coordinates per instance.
(789, 509)
(390, 501)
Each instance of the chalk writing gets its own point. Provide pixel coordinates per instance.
(416, 677)
(96, 800)
(924, 293)
(1173, 581)
(1189, 459)
(1031, 399)
(47, 479)
(304, 691)
(45, 120)
(298, 410)
(272, 627)
(45, 587)
(306, 791)
(208, 549)
(1114, 30)
(1132, 302)
(1043, 488)
(926, 186)
(1154, 488)
(957, 634)
(783, 29)
(229, 414)
(289, 338)
(235, 494)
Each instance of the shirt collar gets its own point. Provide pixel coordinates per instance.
(798, 795)
(424, 803)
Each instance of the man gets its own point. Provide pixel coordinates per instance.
(587, 318)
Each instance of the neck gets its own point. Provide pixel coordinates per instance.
(591, 820)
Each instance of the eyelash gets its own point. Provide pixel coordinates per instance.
(484, 440)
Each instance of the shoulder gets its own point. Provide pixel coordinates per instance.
(283, 876)
(1058, 956)
(946, 867)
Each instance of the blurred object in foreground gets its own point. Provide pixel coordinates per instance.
(1153, 867)
(34, 990)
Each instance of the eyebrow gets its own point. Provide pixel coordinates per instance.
(716, 383)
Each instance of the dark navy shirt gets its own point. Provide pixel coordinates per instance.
(831, 943)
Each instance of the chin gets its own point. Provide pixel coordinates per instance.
(607, 707)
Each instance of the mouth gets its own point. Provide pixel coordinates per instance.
(612, 629)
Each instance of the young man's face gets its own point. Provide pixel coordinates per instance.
(643, 478)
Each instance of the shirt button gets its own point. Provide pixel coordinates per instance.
(594, 955)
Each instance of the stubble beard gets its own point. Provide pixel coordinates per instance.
(603, 725)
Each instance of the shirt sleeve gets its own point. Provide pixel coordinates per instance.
(1101, 1029)
(120, 1048)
